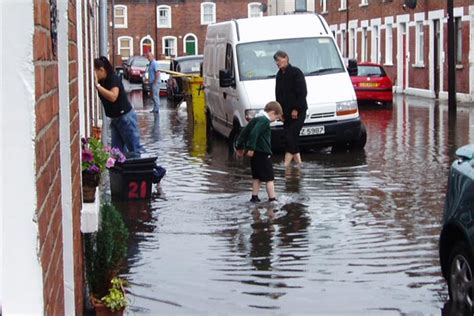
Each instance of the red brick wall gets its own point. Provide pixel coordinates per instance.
(48, 174)
(185, 18)
(48, 171)
(75, 158)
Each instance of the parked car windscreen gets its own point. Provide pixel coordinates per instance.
(189, 65)
(139, 62)
(314, 56)
(368, 71)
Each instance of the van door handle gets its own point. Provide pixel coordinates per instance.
(224, 94)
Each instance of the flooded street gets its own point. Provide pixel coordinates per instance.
(353, 233)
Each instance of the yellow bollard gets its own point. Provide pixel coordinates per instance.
(198, 100)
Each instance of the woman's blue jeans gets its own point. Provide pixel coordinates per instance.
(126, 135)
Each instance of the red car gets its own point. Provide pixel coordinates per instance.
(134, 68)
(372, 84)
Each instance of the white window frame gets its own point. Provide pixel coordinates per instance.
(324, 6)
(375, 50)
(195, 40)
(364, 3)
(148, 37)
(419, 43)
(213, 6)
(119, 46)
(389, 44)
(167, 25)
(174, 49)
(342, 48)
(352, 42)
(254, 5)
(364, 46)
(125, 16)
(343, 5)
(458, 40)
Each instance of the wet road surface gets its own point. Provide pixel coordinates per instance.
(352, 233)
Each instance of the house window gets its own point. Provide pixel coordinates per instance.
(300, 6)
(146, 45)
(343, 5)
(324, 6)
(419, 43)
(169, 46)
(364, 3)
(352, 43)
(388, 44)
(364, 44)
(208, 13)
(125, 46)
(164, 16)
(458, 40)
(120, 17)
(343, 43)
(375, 44)
(190, 44)
(254, 10)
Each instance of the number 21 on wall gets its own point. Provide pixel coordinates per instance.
(136, 191)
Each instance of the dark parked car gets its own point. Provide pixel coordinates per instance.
(186, 65)
(456, 245)
(372, 84)
(134, 68)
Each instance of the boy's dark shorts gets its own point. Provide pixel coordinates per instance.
(261, 165)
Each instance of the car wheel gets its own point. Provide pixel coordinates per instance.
(234, 135)
(359, 144)
(460, 282)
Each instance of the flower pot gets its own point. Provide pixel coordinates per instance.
(90, 181)
(102, 310)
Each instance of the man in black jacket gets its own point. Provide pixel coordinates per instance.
(290, 91)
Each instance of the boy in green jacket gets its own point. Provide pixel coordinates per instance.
(255, 142)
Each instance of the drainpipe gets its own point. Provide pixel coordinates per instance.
(103, 52)
(451, 61)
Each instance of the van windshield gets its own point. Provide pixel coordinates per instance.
(314, 56)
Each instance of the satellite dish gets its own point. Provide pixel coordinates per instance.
(410, 4)
(263, 7)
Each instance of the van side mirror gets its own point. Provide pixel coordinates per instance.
(352, 67)
(225, 78)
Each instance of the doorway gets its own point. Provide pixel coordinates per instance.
(436, 54)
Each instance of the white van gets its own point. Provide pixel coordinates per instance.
(239, 78)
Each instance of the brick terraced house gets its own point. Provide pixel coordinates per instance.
(411, 44)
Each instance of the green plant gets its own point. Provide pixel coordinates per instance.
(115, 300)
(94, 155)
(105, 250)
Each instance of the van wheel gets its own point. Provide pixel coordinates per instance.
(359, 144)
(233, 136)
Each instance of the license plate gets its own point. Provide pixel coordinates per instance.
(369, 84)
(313, 130)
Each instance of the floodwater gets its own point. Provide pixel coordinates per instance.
(352, 233)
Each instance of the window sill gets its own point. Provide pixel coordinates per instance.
(120, 26)
(362, 5)
(342, 9)
(418, 65)
(324, 12)
(164, 26)
(388, 65)
(90, 215)
(459, 67)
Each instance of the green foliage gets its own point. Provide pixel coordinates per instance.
(105, 250)
(94, 155)
(115, 300)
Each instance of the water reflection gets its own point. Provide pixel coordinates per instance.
(352, 233)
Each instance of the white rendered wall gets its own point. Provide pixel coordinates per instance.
(65, 157)
(471, 53)
(22, 282)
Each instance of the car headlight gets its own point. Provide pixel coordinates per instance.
(250, 114)
(346, 107)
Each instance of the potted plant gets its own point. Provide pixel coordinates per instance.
(105, 252)
(95, 158)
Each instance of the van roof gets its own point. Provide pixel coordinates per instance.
(281, 26)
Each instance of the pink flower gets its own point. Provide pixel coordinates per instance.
(87, 155)
(110, 162)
